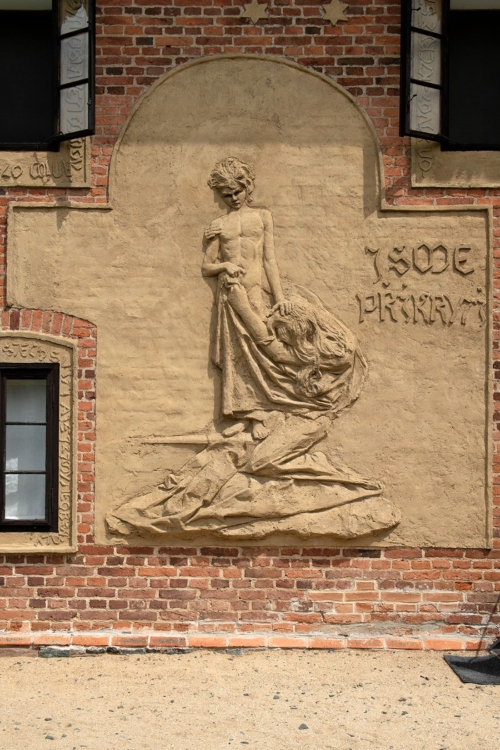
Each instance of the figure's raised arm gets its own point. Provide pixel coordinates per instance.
(271, 266)
(211, 265)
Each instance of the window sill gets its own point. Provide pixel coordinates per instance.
(67, 168)
(23, 348)
(432, 167)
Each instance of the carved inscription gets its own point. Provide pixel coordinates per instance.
(426, 66)
(28, 350)
(427, 58)
(74, 108)
(11, 172)
(432, 167)
(73, 14)
(425, 155)
(77, 154)
(426, 14)
(74, 57)
(66, 168)
(427, 111)
(423, 259)
(20, 349)
(404, 304)
(65, 462)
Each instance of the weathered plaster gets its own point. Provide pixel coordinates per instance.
(67, 168)
(421, 422)
(433, 167)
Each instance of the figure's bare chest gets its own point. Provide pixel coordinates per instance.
(242, 225)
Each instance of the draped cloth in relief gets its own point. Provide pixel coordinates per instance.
(241, 487)
(328, 378)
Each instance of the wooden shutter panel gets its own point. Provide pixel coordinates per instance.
(423, 59)
(75, 90)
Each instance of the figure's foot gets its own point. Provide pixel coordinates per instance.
(235, 429)
(260, 431)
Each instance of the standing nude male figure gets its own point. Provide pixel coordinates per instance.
(239, 245)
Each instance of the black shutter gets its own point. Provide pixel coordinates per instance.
(74, 32)
(423, 68)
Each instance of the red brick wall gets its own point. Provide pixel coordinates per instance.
(394, 598)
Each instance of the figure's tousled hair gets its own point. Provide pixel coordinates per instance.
(316, 342)
(232, 171)
(310, 333)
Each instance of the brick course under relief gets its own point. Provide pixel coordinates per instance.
(331, 598)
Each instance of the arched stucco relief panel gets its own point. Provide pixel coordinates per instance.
(136, 272)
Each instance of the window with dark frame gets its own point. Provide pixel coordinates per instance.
(450, 72)
(47, 87)
(29, 409)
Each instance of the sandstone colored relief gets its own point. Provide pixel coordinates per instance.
(68, 167)
(289, 368)
(255, 11)
(411, 285)
(334, 12)
(431, 166)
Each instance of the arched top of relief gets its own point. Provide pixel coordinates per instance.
(267, 110)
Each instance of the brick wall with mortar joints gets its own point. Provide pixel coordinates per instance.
(299, 592)
(287, 591)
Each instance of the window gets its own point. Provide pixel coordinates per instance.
(29, 403)
(38, 434)
(450, 72)
(46, 72)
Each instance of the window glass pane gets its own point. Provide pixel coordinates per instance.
(74, 58)
(426, 14)
(24, 497)
(425, 109)
(474, 78)
(426, 58)
(26, 400)
(73, 15)
(25, 448)
(26, 77)
(74, 114)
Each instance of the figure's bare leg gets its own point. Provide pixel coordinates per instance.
(238, 299)
(290, 437)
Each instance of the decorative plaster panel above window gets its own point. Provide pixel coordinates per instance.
(432, 167)
(24, 349)
(67, 168)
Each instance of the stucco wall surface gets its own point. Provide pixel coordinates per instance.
(419, 426)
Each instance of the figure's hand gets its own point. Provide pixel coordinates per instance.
(284, 307)
(213, 230)
(233, 270)
(230, 281)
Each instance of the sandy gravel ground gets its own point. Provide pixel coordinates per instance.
(261, 700)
